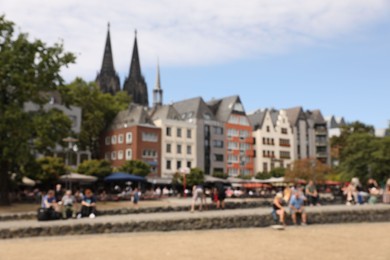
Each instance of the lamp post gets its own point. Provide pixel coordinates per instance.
(70, 141)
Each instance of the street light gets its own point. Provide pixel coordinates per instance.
(70, 141)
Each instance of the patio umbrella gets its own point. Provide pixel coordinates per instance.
(77, 178)
(123, 176)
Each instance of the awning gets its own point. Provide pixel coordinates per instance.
(157, 180)
(77, 178)
(123, 176)
(212, 179)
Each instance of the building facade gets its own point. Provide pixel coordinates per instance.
(132, 136)
(239, 152)
(274, 139)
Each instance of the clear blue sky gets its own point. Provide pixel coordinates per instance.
(328, 55)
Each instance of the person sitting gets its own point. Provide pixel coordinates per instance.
(278, 208)
(49, 201)
(68, 204)
(297, 207)
(88, 205)
(49, 207)
(311, 193)
(373, 191)
(386, 193)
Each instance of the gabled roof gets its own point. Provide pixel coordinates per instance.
(164, 112)
(274, 116)
(223, 108)
(256, 119)
(134, 115)
(293, 114)
(194, 108)
(316, 116)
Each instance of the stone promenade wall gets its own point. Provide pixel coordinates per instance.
(194, 223)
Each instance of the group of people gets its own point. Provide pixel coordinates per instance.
(295, 199)
(356, 194)
(57, 205)
(218, 196)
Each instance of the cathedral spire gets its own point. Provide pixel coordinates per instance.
(135, 84)
(157, 91)
(135, 67)
(107, 78)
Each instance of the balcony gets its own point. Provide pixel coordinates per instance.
(249, 140)
(250, 153)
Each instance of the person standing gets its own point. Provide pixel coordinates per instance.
(136, 195)
(311, 193)
(197, 193)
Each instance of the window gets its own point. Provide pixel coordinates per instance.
(120, 155)
(244, 146)
(129, 154)
(113, 155)
(189, 165)
(149, 137)
(178, 148)
(218, 144)
(178, 132)
(238, 107)
(147, 153)
(113, 139)
(232, 132)
(178, 165)
(233, 171)
(244, 134)
(284, 155)
(169, 147)
(219, 157)
(120, 139)
(284, 130)
(189, 133)
(107, 156)
(108, 140)
(168, 165)
(284, 142)
(268, 129)
(189, 150)
(218, 130)
(232, 146)
(232, 158)
(129, 138)
(169, 131)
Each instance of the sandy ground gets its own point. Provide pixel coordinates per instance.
(350, 241)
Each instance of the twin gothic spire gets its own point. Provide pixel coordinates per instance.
(134, 84)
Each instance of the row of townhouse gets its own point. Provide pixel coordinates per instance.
(215, 136)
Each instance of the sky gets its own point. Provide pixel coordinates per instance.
(330, 55)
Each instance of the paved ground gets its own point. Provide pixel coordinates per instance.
(176, 215)
(336, 242)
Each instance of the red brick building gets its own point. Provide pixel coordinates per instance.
(132, 136)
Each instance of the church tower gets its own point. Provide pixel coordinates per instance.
(157, 91)
(135, 84)
(107, 78)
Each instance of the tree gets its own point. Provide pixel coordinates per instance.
(98, 110)
(278, 172)
(263, 175)
(195, 177)
(98, 168)
(308, 169)
(220, 175)
(50, 169)
(135, 167)
(27, 69)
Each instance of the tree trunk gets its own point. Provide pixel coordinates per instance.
(4, 184)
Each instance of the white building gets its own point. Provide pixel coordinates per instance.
(274, 139)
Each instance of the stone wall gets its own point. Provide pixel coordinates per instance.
(195, 223)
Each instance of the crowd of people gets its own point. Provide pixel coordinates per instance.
(357, 194)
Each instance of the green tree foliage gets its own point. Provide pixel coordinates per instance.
(220, 175)
(278, 172)
(263, 175)
(195, 177)
(51, 127)
(98, 111)
(135, 167)
(27, 69)
(356, 127)
(50, 169)
(365, 156)
(98, 168)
